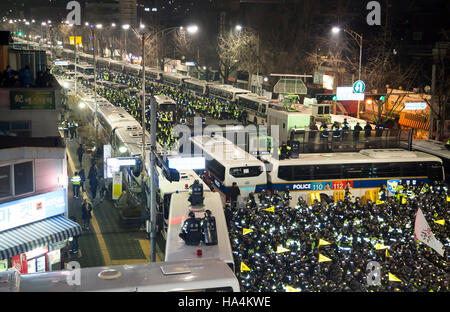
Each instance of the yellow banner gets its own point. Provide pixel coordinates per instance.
(441, 222)
(323, 242)
(393, 278)
(292, 289)
(281, 249)
(322, 258)
(246, 231)
(270, 209)
(117, 185)
(75, 40)
(244, 267)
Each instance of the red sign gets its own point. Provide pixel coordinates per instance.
(341, 185)
(20, 263)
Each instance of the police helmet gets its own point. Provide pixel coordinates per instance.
(191, 214)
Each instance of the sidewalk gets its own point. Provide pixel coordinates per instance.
(105, 243)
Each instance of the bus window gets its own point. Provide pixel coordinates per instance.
(325, 172)
(285, 173)
(216, 168)
(435, 172)
(414, 170)
(302, 172)
(263, 108)
(356, 171)
(386, 170)
(166, 205)
(246, 172)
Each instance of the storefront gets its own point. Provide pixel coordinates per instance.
(33, 231)
(419, 122)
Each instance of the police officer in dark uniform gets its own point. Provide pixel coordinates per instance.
(209, 229)
(191, 230)
(196, 197)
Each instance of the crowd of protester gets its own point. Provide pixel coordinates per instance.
(23, 78)
(348, 235)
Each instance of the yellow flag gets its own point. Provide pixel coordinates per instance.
(441, 222)
(448, 198)
(244, 267)
(323, 242)
(246, 231)
(379, 202)
(379, 246)
(322, 258)
(393, 278)
(387, 253)
(281, 249)
(271, 209)
(292, 289)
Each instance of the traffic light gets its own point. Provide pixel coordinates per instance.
(382, 98)
(19, 33)
(335, 98)
(325, 97)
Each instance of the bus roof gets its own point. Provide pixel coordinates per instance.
(433, 147)
(146, 277)
(364, 156)
(228, 88)
(177, 250)
(224, 150)
(197, 82)
(255, 97)
(187, 177)
(164, 99)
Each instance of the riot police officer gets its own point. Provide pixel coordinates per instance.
(196, 194)
(191, 230)
(209, 229)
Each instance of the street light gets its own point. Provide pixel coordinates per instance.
(359, 40)
(144, 37)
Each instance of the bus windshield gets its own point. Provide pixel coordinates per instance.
(246, 172)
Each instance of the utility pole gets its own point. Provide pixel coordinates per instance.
(433, 89)
(152, 180)
(76, 48)
(95, 90)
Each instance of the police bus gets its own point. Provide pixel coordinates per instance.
(203, 275)
(255, 106)
(225, 93)
(196, 87)
(166, 189)
(362, 171)
(173, 79)
(178, 250)
(227, 163)
(437, 149)
(166, 105)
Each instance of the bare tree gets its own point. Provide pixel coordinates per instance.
(441, 92)
(237, 50)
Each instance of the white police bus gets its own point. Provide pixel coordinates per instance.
(166, 189)
(437, 149)
(227, 163)
(203, 275)
(196, 87)
(363, 171)
(177, 250)
(225, 93)
(256, 107)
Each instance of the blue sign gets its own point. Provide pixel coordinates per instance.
(359, 86)
(392, 184)
(32, 209)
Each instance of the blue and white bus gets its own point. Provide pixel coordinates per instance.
(363, 171)
(228, 163)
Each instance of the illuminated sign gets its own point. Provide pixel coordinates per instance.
(187, 163)
(359, 86)
(117, 185)
(347, 94)
(328, 82)
(415, 106)
(32, 209)
(107, 152)
(190, 63)
(61, 63)
(36, 252)
(114, 164)
(3, 265)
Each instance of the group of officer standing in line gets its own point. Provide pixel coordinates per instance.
(327, 246)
